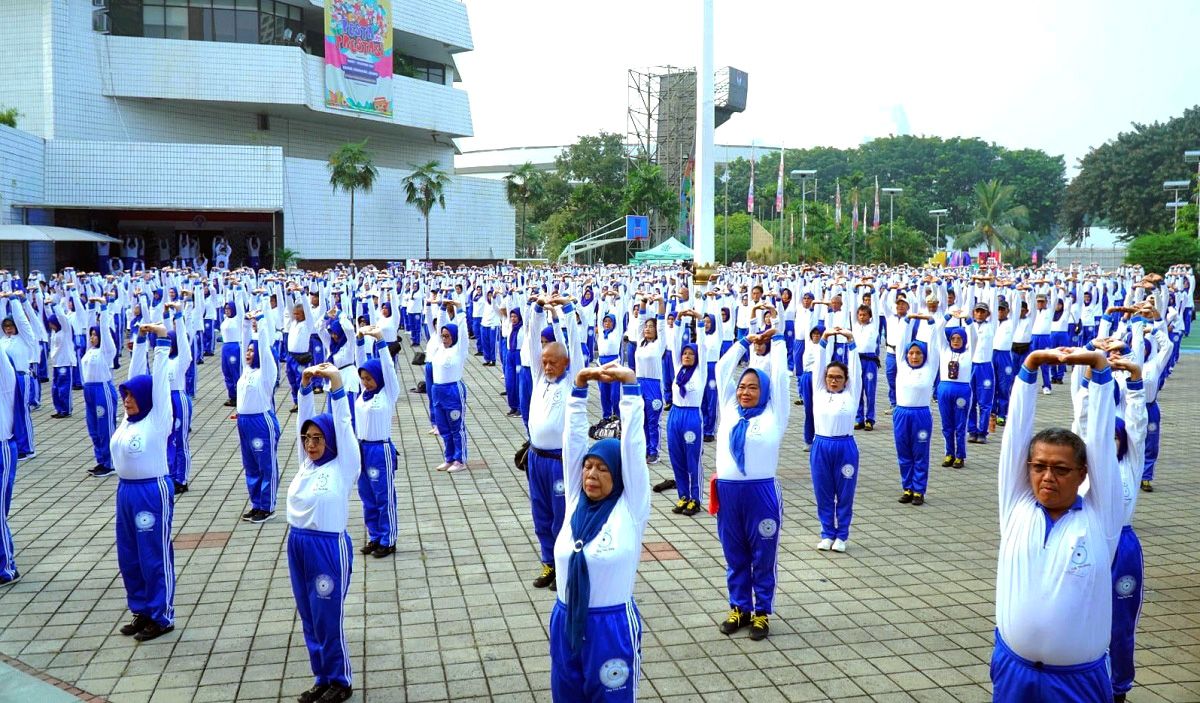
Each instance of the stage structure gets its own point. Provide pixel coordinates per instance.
(661, 128)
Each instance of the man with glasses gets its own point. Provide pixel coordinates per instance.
(1053, 590)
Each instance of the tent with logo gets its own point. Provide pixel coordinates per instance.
(670, 250)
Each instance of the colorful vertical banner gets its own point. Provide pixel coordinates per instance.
(779, 185)
(750, 192)
(358, 56)
(875, 220)
(837, 206)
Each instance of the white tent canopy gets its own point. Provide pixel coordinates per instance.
(45, 233)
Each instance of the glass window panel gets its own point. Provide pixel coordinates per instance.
(153, 17)
(177, 3)
(152, 2)
(224, 4)
(176, 23)
(200, 24)
(247, 4)
(200, 3)
(247, 27)
(294, 13)
(224, 25)
(266, 29)
(267, 5)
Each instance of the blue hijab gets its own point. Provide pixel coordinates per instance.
(141, 387)
(253, 347)
(516, 327)
(323, 422)
(737, 437)
(957, 332)
(337, 336)
(174, 343)
(547, 334)
(374, 367)
(606, 330)
(924, 353)
(453, 330)
(685, 372)
(1122, 438)
(586, 522)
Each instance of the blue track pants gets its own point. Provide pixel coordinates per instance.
(547, 499)
(320, 564)
(652, 401)
(100, 403)
(983, 392)
(179, 451)
(1018, 680)
(8, 477)
(1153, 433)
(834, 466)
(912, 428)
(1128, 575)
(748, 524)
(684, 444)
(259, 434)
(231, 367)
(953, 397)
(60, 390)
(449, 407)
(608, 663)
(377, 489)
(145, 555)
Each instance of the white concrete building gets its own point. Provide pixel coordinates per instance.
(158, 117)
(1100, 245)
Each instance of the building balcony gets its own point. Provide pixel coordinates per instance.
(263, 77)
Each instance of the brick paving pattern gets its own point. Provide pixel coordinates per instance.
(905, 615)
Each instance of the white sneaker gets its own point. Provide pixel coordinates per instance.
(808, 447)
(824, 545)
(456, 467)
(1045, 391)
(839, 545)
(443, 466)
(433, 430)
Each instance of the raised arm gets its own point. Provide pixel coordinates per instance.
(727, 371)
(1013, 475)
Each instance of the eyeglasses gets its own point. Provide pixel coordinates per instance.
(1058, 471)
(312, 438)
(834, 377)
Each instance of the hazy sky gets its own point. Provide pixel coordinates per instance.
(1059, 75)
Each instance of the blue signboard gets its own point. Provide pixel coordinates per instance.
(637, 227)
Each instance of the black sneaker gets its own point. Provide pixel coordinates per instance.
(708, 438)
(1147, 487)
(664, 485)
(735, 621)
(10, 580)
(959, 463)
(336, 693)
(972, 439)
(262, 516)
(247, 516)
(101, 471)
(181, 488)
(369, 547)
(918, 499)
(513, 413)
(692, 508)
(313, 694)
(679, 506)
(859, 426)
(553, 585)
(759, 627)
(906, 497)
(153, 631)
(546, 578)
(230, 403)
(139, 623)
(382, 551)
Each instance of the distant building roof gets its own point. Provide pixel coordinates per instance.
(1096, 238)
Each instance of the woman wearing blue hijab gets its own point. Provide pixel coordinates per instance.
(595, 627)
(912, 423)
(744, 493)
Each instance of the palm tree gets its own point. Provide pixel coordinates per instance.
(997, 217)
(517, 188)
(425, 187)
(351, 170)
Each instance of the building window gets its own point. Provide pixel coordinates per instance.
(420, 69)
(241, 21)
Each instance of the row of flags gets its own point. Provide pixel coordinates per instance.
(837, 198)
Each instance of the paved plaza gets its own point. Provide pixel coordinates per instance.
(906, 614)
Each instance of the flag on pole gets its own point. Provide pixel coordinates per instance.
(854, 216)
(750, 192)
(779, 185)
(875, 221)
(837, 205)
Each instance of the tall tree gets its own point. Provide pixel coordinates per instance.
(518, 187)
(424, 188)
(646, 192)
(1120, 182)
(351, 170)
(997, 216)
